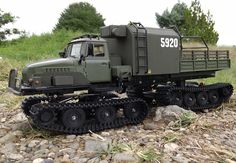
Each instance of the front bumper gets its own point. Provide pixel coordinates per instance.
(14, 83)
(15, 86)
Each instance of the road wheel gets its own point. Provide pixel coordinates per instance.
(106, 114)
(189, 99)
(177, 98)
(132, 110)
(46, 116)
(213, 97)
(202, 98)
(73, 118)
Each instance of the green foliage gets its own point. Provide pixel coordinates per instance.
(28, 49)
(6, 18)
(80, 16)
(191, 21)
(175, 17)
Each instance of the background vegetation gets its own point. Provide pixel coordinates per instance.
(191, 21)
(27, 49)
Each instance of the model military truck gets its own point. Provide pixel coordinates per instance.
(149, 64)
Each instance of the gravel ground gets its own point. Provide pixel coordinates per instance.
(209, 137)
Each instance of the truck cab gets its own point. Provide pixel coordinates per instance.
(92, 55)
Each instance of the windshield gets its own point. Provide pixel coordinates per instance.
(74, 50)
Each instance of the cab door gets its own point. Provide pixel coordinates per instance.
(97, 63)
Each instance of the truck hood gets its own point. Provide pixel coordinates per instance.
(52, 62)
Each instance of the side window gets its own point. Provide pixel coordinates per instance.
(99, 50)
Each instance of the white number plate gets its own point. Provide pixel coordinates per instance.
(169, 42)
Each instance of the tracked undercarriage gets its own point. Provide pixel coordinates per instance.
(80, 114)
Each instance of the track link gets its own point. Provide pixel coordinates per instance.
(91, 122)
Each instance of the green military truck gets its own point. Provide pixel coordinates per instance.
(151, 65)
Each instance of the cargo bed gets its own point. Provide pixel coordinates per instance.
(204, 60)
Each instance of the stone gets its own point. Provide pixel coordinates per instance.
(66, 159)
(20, 117)
(48, 161)
(180, 158)
(79, 160)
(3, 120)
(105, 133)
(8, 148)
(94, 160)
(124, 157)
(38, 160)
(41, 153)
(104, 161)
(96, 145)
(149, 126)
(11, 136)
(33, 143)
(15, 156)
(169, 113)
(51, 155)
(67, 151)
(70, 136)
(170, 147)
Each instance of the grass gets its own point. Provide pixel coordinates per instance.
(185, 120)
(28, 49)
(143, 154)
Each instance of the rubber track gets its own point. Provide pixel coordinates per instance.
(91, 124)
(164, 93)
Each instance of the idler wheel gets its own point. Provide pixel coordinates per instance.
(226, 92)
(73, 118)
(202, 98)
(132, 110)
(106, 114)
(213, 97)
(176, 98)
(189, 99)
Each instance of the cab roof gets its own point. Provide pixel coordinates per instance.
(88, 37)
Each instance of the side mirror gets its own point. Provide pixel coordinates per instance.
(62, 54)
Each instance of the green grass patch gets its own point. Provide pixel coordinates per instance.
(28, 49)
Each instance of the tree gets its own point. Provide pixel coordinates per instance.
(6, 18)
(80, 16)
(175, 17)
(190, 21)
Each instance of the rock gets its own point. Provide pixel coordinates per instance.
(79, 160)
(20, 117)
(41, 153)
(66, 159)
(43, 142)
(15, 156)
(48, 161)
(170, 147)
(11, 136)
(150, 126)
(96, 145)
(70, 137)
(169, 113)
(104, 161)
(67, 151)
(180, 158)
(33, 143)
(230, 161)
(8, 148)
(51, 155)
(3, 120)
(94, 160)
(105, 133)
(124, 157)
(38, 160)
